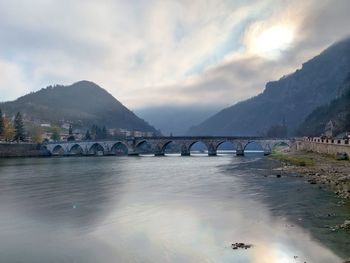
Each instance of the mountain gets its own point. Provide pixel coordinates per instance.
(337, 111)
(83, 103)
(175, 120)
(291, 98)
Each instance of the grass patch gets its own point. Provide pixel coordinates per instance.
(294, 160)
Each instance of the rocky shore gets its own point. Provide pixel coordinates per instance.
(323, 170)
(319, 169)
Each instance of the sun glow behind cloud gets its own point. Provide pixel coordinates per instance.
(271, 42)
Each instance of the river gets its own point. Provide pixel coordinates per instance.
(164, 209)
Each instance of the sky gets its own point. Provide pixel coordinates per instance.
(150, 53)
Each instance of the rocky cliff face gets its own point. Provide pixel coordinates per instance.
(292, 97)
(337, 111)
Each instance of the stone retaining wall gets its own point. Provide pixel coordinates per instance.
(326, 146)
(22, 150)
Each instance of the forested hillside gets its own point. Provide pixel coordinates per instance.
(83, 103)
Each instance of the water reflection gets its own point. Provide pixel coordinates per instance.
(60, 190)
(141, 210)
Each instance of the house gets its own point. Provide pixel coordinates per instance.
(65, 126)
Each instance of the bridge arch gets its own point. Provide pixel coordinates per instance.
(140, 143)
(119, 148)
(170, 147)
(226, 144)
(144, 147)
(280, 143)
(166, 144)
(76, 149)
(96, 149)
(202, 147)
(58, 150)
(261, 147)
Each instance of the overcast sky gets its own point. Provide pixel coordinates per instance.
(150, 53)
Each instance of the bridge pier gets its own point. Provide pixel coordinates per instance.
(133, 154)
(267, 152)
(185, 150)
(185, 153)
(212, 153)
(240, 152)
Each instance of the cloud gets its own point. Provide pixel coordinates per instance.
(12, 79)
(160, 52)
(221, 85)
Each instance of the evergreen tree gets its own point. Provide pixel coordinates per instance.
(94, 129)
(19, 127)
(71, 136)
(104, 133)
(98, 132)
(87, 135)
(1, 124)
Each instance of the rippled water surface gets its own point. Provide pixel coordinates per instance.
(167, 209)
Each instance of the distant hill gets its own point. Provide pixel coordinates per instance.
(292, 97)
(338, 111)
(84, 103)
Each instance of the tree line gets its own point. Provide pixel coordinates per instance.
(97, 133)
(12, 131)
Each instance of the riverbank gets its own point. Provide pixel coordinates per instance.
(317, 168)
(8, 150)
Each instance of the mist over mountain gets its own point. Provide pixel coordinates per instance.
(290, 98)
(83, 103)
(175, 120)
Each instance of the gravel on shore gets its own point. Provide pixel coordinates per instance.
(324, 170)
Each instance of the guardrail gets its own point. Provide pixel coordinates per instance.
(345, 142)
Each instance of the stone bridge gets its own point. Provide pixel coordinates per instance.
(157, 145)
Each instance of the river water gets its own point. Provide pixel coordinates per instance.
(163, 209)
